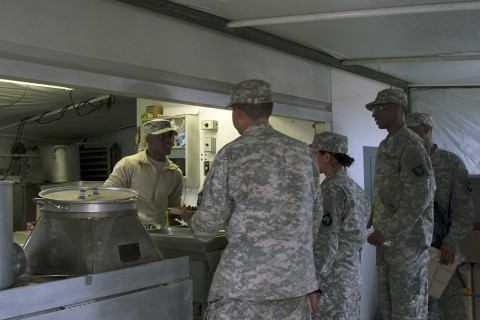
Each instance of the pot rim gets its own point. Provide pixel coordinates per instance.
(127, 195)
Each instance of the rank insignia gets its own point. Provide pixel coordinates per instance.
(327, 219)
(469, 186)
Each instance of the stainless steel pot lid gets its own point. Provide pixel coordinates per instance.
(88, 194)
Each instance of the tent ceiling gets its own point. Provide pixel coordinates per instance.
(35, 113)
(399, 42)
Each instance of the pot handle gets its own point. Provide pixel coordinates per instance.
(84, 190)
(59, 148)
(40, 202)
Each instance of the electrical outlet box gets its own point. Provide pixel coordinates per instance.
(209, 124)
(206, 167)
(209, 144)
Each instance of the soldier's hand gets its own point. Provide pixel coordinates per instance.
(312, 297)
(375, 238)
(448, 254)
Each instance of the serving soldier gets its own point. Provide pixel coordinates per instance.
(158, 181)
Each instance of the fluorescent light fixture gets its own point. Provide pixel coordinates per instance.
(35, 84)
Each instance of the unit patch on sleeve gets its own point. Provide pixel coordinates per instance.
(419, 171)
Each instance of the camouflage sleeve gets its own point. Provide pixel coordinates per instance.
(461, 206)
(318, 200)
(215, 209)
(415, 193)
(327, 241)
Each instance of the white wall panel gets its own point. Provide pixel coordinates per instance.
(112, 37)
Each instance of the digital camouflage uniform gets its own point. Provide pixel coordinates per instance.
(263, 189)
(403, 212)
(453, 220)
(453, 217)
(346, 209)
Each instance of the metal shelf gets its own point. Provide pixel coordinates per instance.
(95, 162)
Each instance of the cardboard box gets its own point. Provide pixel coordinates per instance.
(439, 274)
(470, 246)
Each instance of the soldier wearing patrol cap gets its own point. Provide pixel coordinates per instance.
(346, 210)
(453, 214)
(402, 211)
(158, 181)
(263, 189)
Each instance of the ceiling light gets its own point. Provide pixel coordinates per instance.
(35, 84)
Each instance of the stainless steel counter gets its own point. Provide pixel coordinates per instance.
(159, 289)
(204, 258)
(162, 288)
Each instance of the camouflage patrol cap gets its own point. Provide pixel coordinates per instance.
(389, 96)
(158, 126)
(330, 142)
(250, 92)
(417, 119)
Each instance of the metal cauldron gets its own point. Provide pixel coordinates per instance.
(84, 230)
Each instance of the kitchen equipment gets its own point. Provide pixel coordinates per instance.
(6, 234)
(84, 230)
(60, 163)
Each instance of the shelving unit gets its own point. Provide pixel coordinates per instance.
(95, 163)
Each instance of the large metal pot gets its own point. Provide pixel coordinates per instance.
(88, 230)
(60, 163)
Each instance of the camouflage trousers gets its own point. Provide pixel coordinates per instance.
(453, 304)
(402, 283)
(236, 309)
(338, 306)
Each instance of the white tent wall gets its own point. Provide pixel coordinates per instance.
(456, 120)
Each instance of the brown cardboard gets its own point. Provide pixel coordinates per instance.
(470, 246)
(438, 274)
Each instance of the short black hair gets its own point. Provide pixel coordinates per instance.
(256, 111)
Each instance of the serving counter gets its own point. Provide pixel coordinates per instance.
(160, 289)
(155, 290)
(204, 258)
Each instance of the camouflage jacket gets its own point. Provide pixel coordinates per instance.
(453, 199)
(264, 190)
(404, 186)
(346, 210)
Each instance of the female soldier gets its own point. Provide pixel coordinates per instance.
(346, 210)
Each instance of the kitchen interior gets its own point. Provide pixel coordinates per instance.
(62, 140)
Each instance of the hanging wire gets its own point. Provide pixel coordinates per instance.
(21, 125)
(18, 100)
(79, 107)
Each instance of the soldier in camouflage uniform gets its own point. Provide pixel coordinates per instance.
(402, 211)
(346, 209)
(453, 214)
(264, 190)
